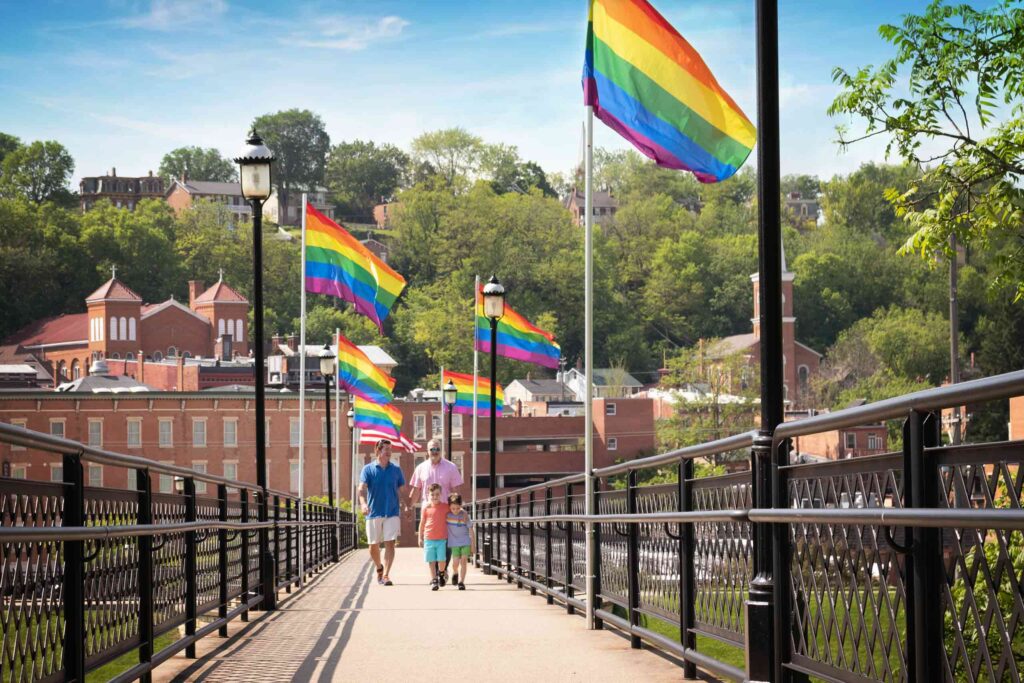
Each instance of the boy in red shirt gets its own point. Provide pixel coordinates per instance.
(433, 533)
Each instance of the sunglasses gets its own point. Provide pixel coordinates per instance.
(435, 450)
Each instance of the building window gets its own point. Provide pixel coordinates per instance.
(166, 438)
(230, 433)
(134, 432)
(457, 426)
(435, 424)
(613, 443)
(56, 471)
(419, 426)
(57, 428)
(609, 408)
(131, 329)
(62, 371)
(123, 328)
(166, 482)
(199, 467)
(157, 356)
(851, 439)
(293, 431)
(172, 352)
(76, 369)
(129, 356)
(231, 470)
(19, 471)
(96, 432)
(113, 328)
(96, 475)
(199, 432)
(23, 425)
(293, 477)
(115, 356)
(323, 431)
(220, 327)
(803, 373)
(874, 441)
(238, 330)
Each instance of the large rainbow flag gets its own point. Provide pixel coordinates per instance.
(464, 394)
(339, 265)
(360, 377)
(650, 86)
(379, 417)
(518, 338)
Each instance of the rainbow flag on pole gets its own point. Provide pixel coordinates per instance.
(379, 417)
(649, 85)
(360, 377)
(464, 394)
(339, 265)
(518, 338)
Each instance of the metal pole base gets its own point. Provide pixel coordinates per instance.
(268, 582)
(487, 558)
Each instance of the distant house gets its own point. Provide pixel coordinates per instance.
(806, 209)
(184, 192)
(537, 390)
(382, 214)
(123, 192)
(608, 383)
(604, 204)
(318, 198)
(377, 248)
(283, 365)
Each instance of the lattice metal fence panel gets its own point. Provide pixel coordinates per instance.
(579, 551)
(207, 557)
(168, 563)
(614, 574)
(983, 600)
(32, 611)
(721, 557)
(558, 542)
(659, 554)
(111, 574)
(253, 546)
(848, 589)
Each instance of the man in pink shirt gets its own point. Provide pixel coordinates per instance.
(435, 470)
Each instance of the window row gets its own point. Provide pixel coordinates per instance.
(419, 425)
(123, 329)
(165, 431)
(233, 327)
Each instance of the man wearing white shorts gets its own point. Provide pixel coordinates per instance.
(379, 499)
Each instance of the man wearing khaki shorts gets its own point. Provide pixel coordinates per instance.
(379, 499)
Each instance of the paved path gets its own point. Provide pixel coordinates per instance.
(345, 627)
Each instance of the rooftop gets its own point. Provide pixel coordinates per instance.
(113, 290)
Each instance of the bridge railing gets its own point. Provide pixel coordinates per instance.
(905, 566)
(92, 573)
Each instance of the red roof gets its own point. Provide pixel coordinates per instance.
(220, 291)
(113, 289)
(63, 328)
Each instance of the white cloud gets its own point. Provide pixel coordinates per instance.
(165, 15)
(349, 33)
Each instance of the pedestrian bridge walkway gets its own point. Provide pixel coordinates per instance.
(345, 627)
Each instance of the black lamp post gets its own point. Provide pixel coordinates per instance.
(450, 394)
(255, 164)
(494, 309)
(327, 370)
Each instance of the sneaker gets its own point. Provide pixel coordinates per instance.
(380, 574)
(433, 585)
(462, 586)
(442, 579)
(387, 582)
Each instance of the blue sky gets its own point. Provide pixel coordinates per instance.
(121, 82)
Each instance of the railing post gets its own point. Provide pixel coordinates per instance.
(633, 559)
(548, 572)
(335, 533)
(760, 607)
(568, 551)
(924, 629)
(508, 539)
(244, 533)
(519, 542)
(786, 626)
(687, 580)
(191, 551)
(533, 550)
(74, 571)
(486, 547)
(144, 485)
(222, 559)
(288, 545)
(277, 536)
(596, 507)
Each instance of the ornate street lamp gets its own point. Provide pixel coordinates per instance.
(494, 309)
(327, 370)
(353, 432)
(450, 394)
(255, 163)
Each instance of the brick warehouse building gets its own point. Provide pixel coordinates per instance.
(118, 325)
(214, 432)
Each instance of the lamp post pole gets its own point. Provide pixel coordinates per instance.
(494, 309)
(449, 394)
(327, 370)
(255, 167)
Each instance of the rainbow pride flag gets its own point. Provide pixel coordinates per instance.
(360, 377)
(650, 86)
(380, 417)
(464, 394)
(339, 265)
(518, 338)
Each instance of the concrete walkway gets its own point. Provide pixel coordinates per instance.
(345, 627)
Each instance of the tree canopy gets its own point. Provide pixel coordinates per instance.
(299, 141)
(199, 164)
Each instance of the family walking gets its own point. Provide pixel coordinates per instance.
(445, 529)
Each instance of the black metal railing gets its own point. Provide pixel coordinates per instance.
(906, 566)
(91, 573)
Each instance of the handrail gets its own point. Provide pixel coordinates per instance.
(984, 389)
(724, 445)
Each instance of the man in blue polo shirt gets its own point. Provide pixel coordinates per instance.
(381, 481)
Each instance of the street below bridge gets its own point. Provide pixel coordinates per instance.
(345, 627)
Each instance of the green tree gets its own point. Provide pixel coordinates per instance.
(807, 185)
(39, 172)
(8, 143)
(322, 319)
(509, 173)
(299, 141)
(452, 152)
(951, 102)
(361, 174)
(858, 200)
(198, 164)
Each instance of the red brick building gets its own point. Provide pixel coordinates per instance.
(214, 431)
(122, 192)
(118, 325)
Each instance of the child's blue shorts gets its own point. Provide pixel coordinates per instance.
(434, 551)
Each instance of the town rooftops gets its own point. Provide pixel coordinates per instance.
(601, 198)
(221, 292)
(113, 290)
(210, 187)
(727, 346)
(542, 386)
(104, 384)
(61, 329)
(613, 377)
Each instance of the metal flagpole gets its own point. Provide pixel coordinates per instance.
(588, 363)
(476, 388)
(444, 437)
(337, 421)
(302, 398)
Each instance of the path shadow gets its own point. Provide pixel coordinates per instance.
(329, 648)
